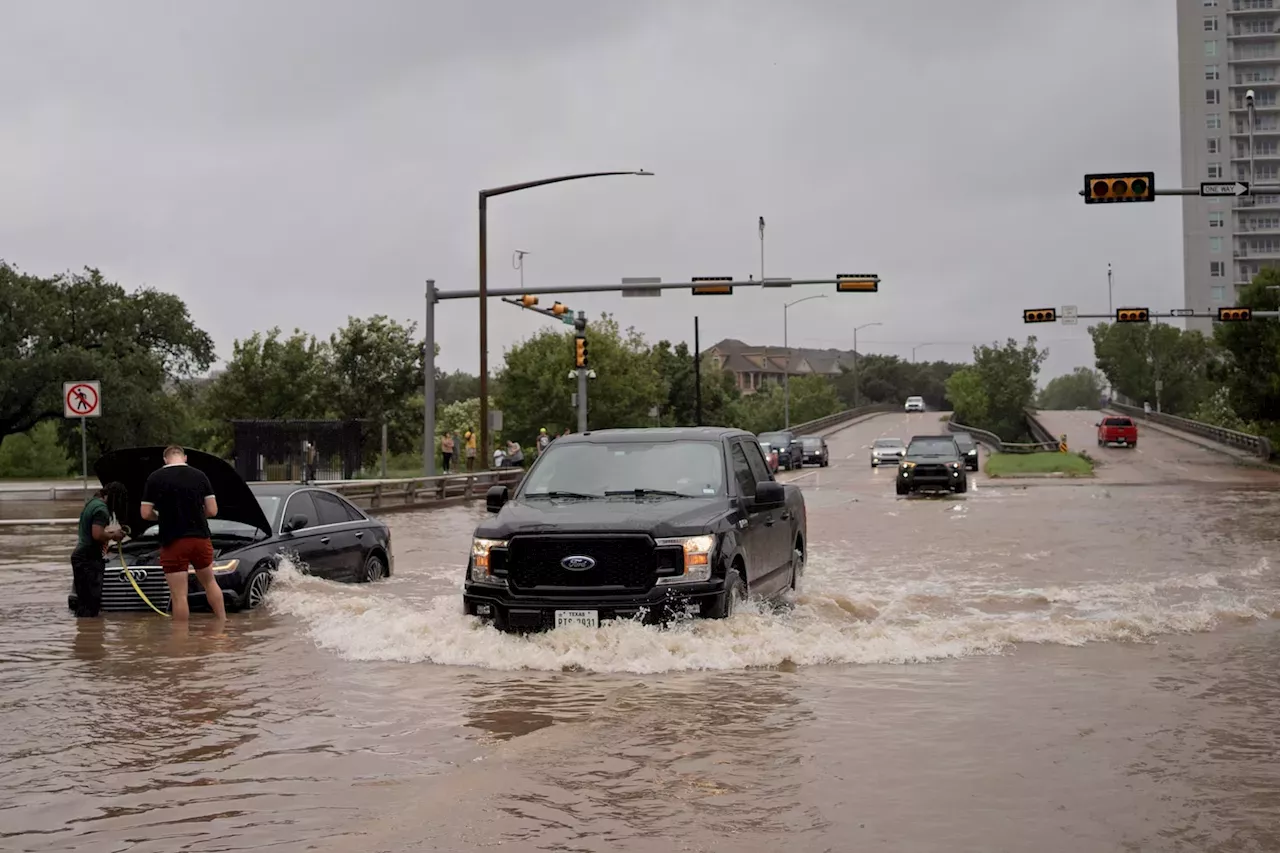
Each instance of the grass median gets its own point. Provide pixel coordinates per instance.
(1040, 464)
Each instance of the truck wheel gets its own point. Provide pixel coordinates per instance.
(902, 488)
(797, 567)
(1134, 444)
(962, 486)
(735, 594)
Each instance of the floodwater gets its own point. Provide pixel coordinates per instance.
(1050, 666)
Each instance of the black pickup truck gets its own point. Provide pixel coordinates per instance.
(932, 463)
(645, 524)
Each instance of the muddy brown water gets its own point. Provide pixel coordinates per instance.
(1049, 666)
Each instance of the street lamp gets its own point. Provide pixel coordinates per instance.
(485, 195)
(916, 347)
(856, 388)
(786, 375)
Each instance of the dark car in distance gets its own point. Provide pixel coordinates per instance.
(968, 449)
(644, 524)
(790, 453)
(932, 463)
(813, 450)
(256, 526)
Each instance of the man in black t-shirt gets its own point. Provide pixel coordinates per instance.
(182, 498)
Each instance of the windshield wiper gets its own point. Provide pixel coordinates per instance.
(580, 495)
(642, 493)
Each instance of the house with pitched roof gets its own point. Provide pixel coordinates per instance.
(752, 366)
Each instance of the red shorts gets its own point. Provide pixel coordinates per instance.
(194, 551)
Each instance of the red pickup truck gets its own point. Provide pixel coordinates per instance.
(1119, 430)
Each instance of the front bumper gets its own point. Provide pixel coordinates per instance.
(971, 461)
(931, 481)
(815, 458)
(538, 612)
(886, 459)
(118, 595)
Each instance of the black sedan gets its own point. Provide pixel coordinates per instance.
(320, 531)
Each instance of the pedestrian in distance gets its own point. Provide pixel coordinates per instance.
(446, 451)
(99, 527)
(470, 438)
(543, 440)
(182, 498)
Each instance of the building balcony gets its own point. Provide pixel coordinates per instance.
(1261, 254)
(1245, 7)
(1257, 155)
(1242, 82)
(1246, 228)
(1239, 107)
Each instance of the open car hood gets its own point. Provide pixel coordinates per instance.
(132, 466)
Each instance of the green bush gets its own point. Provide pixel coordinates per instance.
(34, 454)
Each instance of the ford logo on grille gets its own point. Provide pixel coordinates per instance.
(578, 563)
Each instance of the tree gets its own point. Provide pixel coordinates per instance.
(80, 326)
(456, 386)
(534, 386)
(1134, 356)
(273, 379)
(1251, 355)
(812, 397)
(1081, 387)
(674, 365)
(1006, 376)
(889, 379)
(376, 370)
(35, 453)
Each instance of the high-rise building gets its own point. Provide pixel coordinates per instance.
(1226, 48)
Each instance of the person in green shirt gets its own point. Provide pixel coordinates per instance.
(98, 528)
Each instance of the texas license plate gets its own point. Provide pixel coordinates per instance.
(577, 618)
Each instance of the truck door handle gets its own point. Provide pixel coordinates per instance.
(768, 521)
(324, 541)
(359, 534)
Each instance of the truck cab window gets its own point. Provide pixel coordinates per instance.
(742, 471)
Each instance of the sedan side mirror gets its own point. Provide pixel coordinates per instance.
(296, 522)
(496, 498)
(769, 494)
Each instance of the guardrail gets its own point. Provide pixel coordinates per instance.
(421, 491)
(1044, 437)
(1256, 444)
(839, 418)
(990, 439)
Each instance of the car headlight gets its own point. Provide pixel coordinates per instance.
(480, 560)
(226, 567)
(698, 551)
(906, 464)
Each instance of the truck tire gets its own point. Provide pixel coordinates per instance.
(735, 594)
(962, 486)
(902, 488)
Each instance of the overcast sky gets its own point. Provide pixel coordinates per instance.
(293, 163)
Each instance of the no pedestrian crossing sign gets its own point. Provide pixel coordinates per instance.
(81, 399)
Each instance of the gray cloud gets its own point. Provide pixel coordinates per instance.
(295, 163)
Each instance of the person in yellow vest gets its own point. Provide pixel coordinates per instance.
(470, 450)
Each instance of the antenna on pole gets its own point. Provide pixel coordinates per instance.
(517, 262)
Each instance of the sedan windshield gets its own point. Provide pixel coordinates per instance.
(888, 442)
(811, 442)
(932, 447)
(777, 439)
(599, 469)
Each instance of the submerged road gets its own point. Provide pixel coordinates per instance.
(1023, 667)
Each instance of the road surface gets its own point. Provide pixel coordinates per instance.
(1022, 667)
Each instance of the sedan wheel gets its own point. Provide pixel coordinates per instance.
(374, 570)
(256, 592)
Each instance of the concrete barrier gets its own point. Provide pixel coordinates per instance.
(1257, 445)
(829, 422)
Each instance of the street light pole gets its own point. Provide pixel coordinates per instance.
(916, 347)
(786, 373)
(857, 390)
(484, 197)
(429, 384)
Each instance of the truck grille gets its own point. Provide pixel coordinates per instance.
(118, 594)
(932, 471)
(623, 563)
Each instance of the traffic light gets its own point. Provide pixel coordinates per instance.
(1233, 315)
(857, 283)
(713, 289)
(528, 301)
(564, 312)
(1119, 186)
(1132, 315)
(580, 352)
(1039, 315)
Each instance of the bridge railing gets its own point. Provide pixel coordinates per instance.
(840, 418)
(990, 439)
(1258, 445)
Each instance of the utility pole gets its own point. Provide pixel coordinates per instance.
(697, 375)
(857, 390)
(429, 384)
(580, 362)
(517, 261)
(762, 248)
(1110, 304)
(786, 374)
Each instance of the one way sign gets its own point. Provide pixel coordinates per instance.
(1220, 188)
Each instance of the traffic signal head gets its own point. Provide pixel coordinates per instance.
(1039, 315)
(580, 352)
(1119, 186)
(1132, 315)
(528, 301)
(857, 283)
(1233, 315)
(713, 289)
(559, 309)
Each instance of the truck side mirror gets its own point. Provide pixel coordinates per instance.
(496, 498)
(769, 494)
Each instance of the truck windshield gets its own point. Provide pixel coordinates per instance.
(592, 469)
(932, 447)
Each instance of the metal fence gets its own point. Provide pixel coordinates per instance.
(1258, 445)
(293, 450)
(840, 418)
(990, 439)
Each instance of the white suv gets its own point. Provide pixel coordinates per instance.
(915, 404)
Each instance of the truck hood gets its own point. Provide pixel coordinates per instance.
(931, 458)
(659, 517)
(132, 466)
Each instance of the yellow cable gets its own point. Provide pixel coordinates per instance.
(124, 567)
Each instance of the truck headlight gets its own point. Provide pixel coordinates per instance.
(698, 551)
(480, 560)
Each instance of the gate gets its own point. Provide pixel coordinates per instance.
(297, 450)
